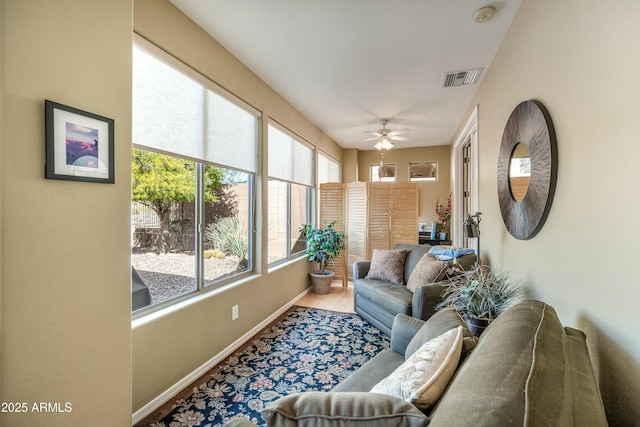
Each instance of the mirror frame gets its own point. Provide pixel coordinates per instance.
(530, 124)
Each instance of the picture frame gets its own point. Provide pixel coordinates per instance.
(79, 145)
(423, 172)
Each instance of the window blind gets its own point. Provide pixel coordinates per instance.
(176, 113)
(328, 169)
(289, 159)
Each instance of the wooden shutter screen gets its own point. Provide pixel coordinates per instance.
(332, 209)
(378, 232)
(404, 213)
(356, 220)
(372, 215)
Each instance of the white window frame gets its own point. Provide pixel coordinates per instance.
(163, 56)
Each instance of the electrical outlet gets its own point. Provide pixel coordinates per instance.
(234, 312)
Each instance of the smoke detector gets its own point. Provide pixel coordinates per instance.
(484, 14)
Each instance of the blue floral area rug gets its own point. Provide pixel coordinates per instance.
(307, 350)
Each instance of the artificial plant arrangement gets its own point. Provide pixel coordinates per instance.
(444, 215)
(481, 295)
(323, 245)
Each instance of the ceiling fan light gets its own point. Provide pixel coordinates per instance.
(385, 143)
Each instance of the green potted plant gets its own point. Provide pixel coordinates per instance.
(323, 245)
(480, 296)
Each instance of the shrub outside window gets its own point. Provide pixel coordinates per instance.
(165, 255)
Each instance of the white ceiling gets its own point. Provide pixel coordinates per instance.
(347, 64)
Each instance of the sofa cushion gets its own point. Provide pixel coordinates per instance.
(363, 379)
(387, 265)
(518, 374)
(438, 324)
(392, 297)
(321, 409)
(422, 378)
(428, 270)
(414, 254)
(239, 422)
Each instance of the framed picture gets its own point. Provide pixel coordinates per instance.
(79, 145)
(423, 171)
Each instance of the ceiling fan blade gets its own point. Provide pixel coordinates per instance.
(398, 132)
(400, 138)
(377, 133)
(370, 139)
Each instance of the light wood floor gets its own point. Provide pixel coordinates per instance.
(339, 298)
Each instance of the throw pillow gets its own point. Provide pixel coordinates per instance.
(442, 321)
(388, 265)
(336, 409)
(422, 378)
(427, 270)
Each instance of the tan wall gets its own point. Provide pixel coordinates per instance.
(350, 168)
(204, 325)
(66, 278)
(430, 192)
(576, 58)
(2, 37)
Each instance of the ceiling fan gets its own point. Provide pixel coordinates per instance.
(386, 137)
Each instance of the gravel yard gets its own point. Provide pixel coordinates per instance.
(172, 274)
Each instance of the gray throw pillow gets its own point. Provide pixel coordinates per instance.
(428, 270)
(336, 409)
(388, 265)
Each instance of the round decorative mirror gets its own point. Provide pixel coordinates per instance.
(527, 169)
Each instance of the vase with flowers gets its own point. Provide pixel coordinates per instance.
(443, 213)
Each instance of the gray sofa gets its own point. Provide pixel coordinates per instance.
(379, 301)
(526, 369)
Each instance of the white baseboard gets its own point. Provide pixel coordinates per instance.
(156, 403)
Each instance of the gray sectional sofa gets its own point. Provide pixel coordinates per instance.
(526, 369)
(378, 301)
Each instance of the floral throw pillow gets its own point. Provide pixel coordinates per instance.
(428, 270)
(422, 378)
(388, 265)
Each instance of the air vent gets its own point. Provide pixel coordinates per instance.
(461, 78)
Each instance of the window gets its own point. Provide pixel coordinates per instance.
(194, 162)
(328, 170)
(423, 171)
(163, 225)
(289, 193)
(277, 225)
(227, 224)
(383, 173)
(299, 213)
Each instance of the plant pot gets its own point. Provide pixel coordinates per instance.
(477, 326)
(321, 282)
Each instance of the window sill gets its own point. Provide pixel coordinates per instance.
(187, 301)
(277, 265)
